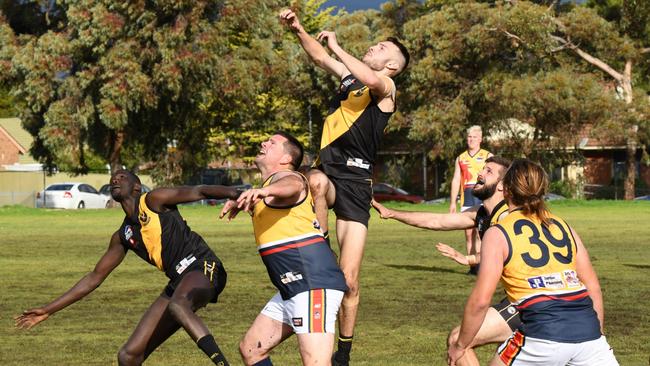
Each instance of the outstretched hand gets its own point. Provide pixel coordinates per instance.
(384, 212)
(290, 19)
(229, 208)
(29, 318)
(330, 37)
(452, 253)
(249, 198)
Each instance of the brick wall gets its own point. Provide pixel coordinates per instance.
(8, 151)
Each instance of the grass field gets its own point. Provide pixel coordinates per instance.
(411, 296)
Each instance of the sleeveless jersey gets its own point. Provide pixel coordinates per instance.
(484, 220)
(352, 133)
(293, 249)
(162, 239)
(540, 276)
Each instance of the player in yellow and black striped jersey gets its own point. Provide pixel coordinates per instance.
(546, 272)
(154, 229)
(352, 135)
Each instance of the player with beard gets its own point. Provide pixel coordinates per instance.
(502, 319)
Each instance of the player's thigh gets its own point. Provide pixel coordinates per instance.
(494, 329)
(154, 321)
(315, 348)
(351, 236)
(264, 334)
(196, 288)
(321, 185)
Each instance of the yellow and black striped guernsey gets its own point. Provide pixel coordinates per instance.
(163, 239)
(352, 133)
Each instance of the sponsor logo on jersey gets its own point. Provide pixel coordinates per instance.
(358, 93)
(571, 279)
(553, 280)
(128, 235)
(185, 262)
(290, 277)
(297, 322)
(357, 163)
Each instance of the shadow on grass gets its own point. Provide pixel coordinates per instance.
(410, 267)
(639, 266)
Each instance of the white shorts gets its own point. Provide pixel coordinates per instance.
(311, 311)
(465, 208)
(520, 350)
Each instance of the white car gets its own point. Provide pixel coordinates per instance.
(70, 195)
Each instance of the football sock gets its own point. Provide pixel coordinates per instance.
(344, 346)
(264, 362)
(208, 345)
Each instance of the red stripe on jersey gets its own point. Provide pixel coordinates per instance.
(542, 298)
(317, 311)
(292, 246)
(512, 349)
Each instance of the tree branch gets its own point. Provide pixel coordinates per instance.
(589, 58)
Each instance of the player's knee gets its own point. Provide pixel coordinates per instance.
(127, 357)
(251, 353)
(178, 308)
(317, 183)
(453, 336)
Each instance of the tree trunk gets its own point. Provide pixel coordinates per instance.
(630, 143)
(115, 157)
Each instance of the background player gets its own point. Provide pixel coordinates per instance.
(546, 272)
(467, 166)
(300, 263)
(501, 319)
(352, 133)
(154, 229)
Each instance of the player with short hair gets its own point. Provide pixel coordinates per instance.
(502, 318)
(466, 168)
(546, 272)
(299, 262)
(352, 134)
(155, 231)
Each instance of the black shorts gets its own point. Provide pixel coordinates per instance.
(469, 200)
(352, 200)
(509, 313)
(211, 268)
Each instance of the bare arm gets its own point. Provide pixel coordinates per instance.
(428, 220)
(455, 187)
(161, 197)
(382, 87)
(587, 275)
(285, 190)
(493, 254)
(312, 47)
(111, 259)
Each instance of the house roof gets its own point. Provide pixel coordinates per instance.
(22, 139)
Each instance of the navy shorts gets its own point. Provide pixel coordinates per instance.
(468, 198)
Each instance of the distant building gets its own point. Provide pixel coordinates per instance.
(14, 146)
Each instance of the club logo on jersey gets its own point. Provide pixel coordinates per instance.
(316, 315)
(297, 322)
(358, 93)
(128, 235)
(144, 218)
(511, 310)
(571, 279)
(290, 277)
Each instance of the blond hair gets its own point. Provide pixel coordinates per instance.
(525, 185)
(475, 128)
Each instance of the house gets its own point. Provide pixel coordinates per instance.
(14, 146)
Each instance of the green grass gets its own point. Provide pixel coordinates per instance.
(411, 296)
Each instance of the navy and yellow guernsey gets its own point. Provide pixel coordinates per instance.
(164, 240)
(293, 249)
(352, 133)
(540, 277)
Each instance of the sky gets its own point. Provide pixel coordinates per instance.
(352, 5)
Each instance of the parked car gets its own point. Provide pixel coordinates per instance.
(70, 195)
(385, 192)
(643, 198)
(106, 192)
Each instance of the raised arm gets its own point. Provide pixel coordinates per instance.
(455, 187)
(111, 259)
(428, 220)
(587, 275)
(493, 255)
(161, 197)
(312, 47)
(382, 87)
